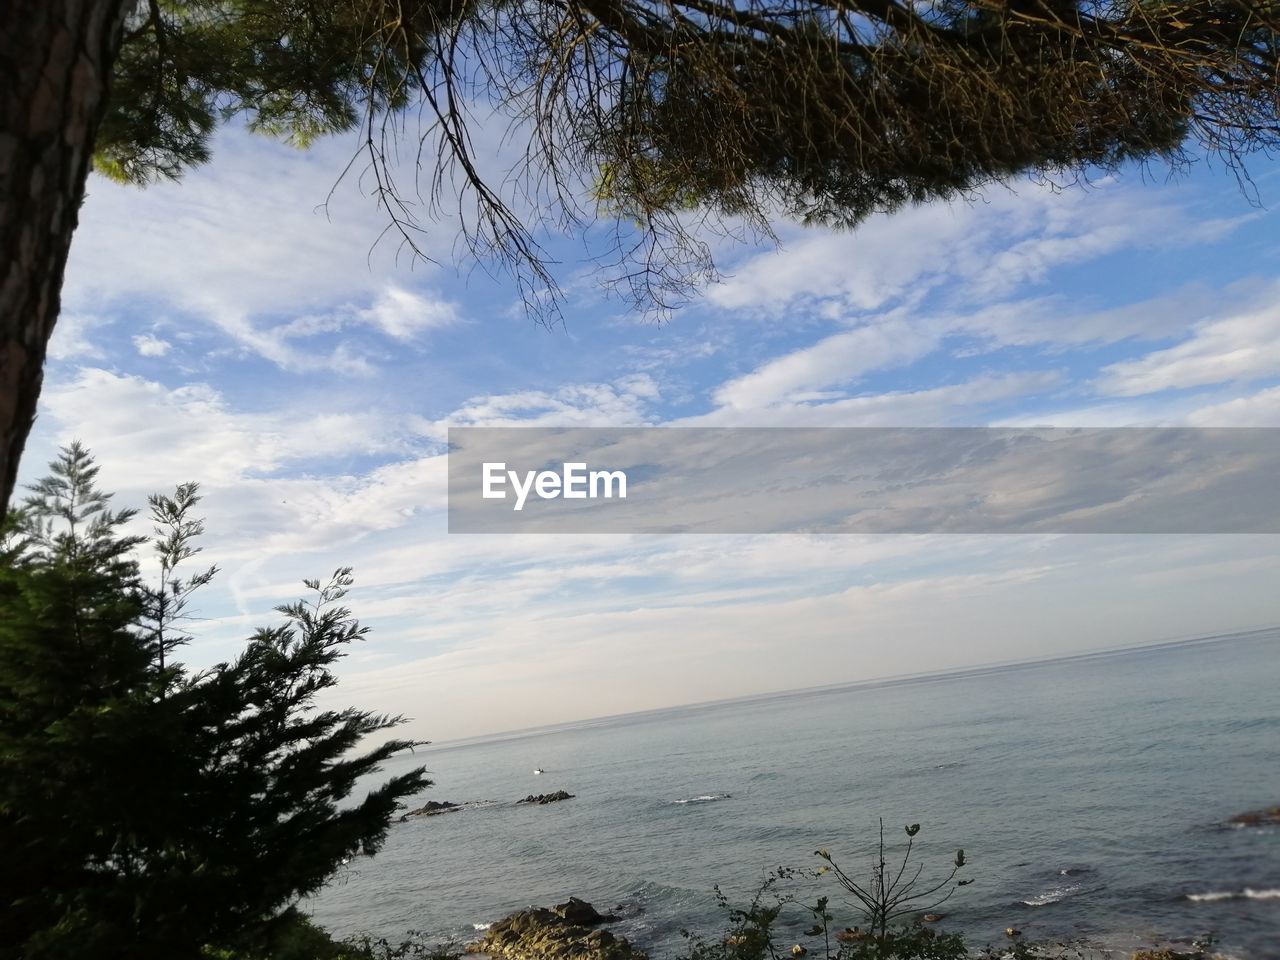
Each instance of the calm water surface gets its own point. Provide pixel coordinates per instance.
(1089, 796)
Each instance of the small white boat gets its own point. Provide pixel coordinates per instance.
(537, 770)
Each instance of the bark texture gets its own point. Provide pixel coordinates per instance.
(55, 60)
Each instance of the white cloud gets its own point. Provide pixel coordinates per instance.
(971, 251)
(836, 360)
(1261, 409)
(246, 244)
(1242, 346)
(575, 659)
(70, 340)
(1059, 321)
(725, 615)
(244, 263)
(151, 436)
(624, 402)
(149, 345)
(952, 405)
(403, 315)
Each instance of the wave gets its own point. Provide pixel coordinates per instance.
(481, 926)
(705, 798)
(1257, 827)
(1052, 895)
(1248, 893)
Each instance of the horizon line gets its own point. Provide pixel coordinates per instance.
(958, 673)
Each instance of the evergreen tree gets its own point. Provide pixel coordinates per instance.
(75, 686)
(176, 531)
(149, 811)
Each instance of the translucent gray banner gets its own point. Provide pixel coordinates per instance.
(863, 480)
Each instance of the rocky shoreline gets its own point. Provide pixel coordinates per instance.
(568, 930)
(575, 930)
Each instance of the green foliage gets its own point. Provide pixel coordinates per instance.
(753, 934)
(290, 68)
(412, 948)
(889, 912)
(75, 696)
(175, 534)
(145, 810)
(750, 935)
(827, 112)
(298, 937)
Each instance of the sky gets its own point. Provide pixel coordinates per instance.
(246, 329)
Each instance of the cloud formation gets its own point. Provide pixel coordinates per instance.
(245, 329)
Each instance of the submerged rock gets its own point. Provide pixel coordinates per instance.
(542, 934)
(541, 798)
(1257, 818)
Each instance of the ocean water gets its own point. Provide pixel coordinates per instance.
(1089, 795)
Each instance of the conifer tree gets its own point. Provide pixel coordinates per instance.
(75, 687)
(156, 812)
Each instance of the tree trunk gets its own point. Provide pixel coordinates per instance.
(55, 60)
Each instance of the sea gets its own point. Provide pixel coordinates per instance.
(1092, 796)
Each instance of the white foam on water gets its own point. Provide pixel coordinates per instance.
(1247, 893)
(1052, 895)
(704, 798)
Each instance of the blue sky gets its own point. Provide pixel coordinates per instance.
(229, 330)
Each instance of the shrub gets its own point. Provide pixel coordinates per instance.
(887, 910)
(148, 811)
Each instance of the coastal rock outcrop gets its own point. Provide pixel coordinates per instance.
(541, 798)
(581, 913)
(432, 808)
(542, 934)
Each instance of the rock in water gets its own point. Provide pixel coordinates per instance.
(431, 809)
(1257, 818)
(582, 913)
(541, 798)
(541, 934)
